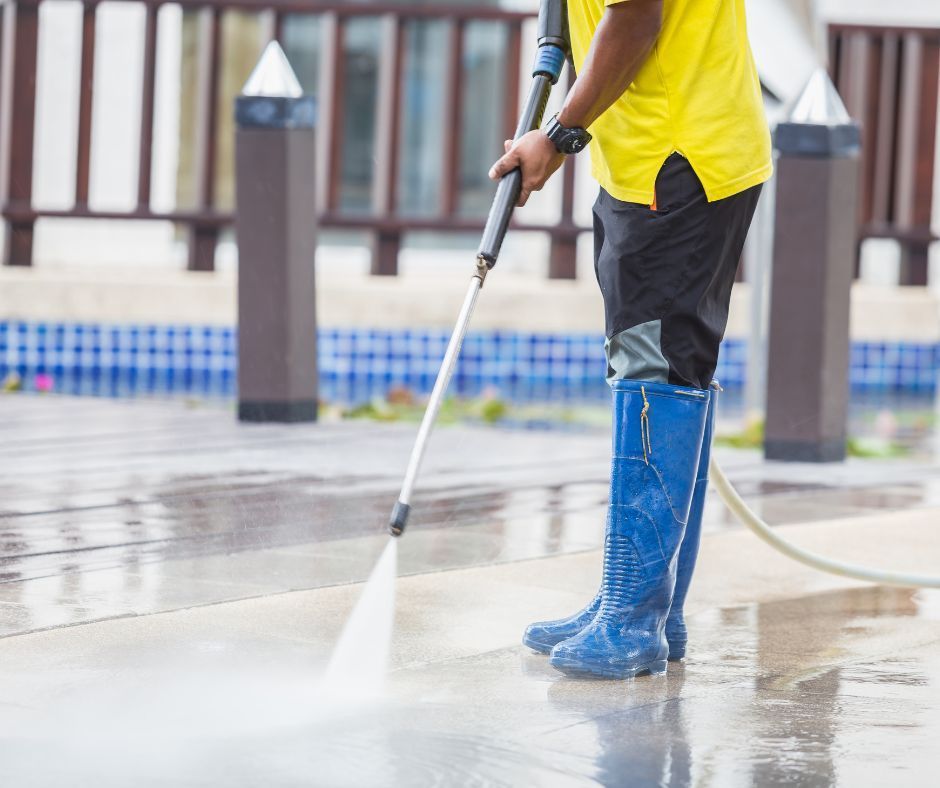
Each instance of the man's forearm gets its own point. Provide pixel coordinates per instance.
(621, 44)
(623, 40)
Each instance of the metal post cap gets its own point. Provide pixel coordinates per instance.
(272, 75)
(818, 123)
(272, 97)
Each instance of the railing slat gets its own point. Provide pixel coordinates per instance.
(883, 145)
(388, 116)
(868, 115)
(19, 242)
(386, 245)
(563, 260)
(451, 121)
(202, 241)
(337, 109)
(907, 131)
(326, 41)
(511, 87)
(146, 108)
(86, 84)
(210, 102)
(929, 85)
(856, 53)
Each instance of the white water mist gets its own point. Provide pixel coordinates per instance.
(359, 665)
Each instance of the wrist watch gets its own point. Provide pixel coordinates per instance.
(566, 140)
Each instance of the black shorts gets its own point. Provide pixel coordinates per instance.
(666, 275)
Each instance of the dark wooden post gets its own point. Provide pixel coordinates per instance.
(275, 155)
(813, 265)
(19, 230)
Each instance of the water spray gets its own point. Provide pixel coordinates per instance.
(549, 60)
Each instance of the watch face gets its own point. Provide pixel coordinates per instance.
(567, 140)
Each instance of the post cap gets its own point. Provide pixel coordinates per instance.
(818, 123)
(272, 98)
(272, 75)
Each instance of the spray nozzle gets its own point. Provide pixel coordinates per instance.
(399, 518)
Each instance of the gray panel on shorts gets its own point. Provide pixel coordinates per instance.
(636, 354)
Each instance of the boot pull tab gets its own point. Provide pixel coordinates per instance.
(645, 427)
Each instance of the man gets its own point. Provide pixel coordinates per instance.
(670, 94)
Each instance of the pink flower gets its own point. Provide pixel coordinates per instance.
(43, 382)
(489, 394)
(886, 424)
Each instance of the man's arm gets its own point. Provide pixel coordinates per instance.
(623, 40)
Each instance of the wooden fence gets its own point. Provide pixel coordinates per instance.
(204, 221)
(888, 78)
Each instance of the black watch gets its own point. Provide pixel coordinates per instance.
(565, 140)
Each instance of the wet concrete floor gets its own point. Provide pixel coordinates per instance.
(116, 508)
(205, 569)
(833, 688)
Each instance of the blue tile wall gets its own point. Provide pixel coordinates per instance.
(356, 364)
(121, 360)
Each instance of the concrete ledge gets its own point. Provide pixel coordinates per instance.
(510, 302)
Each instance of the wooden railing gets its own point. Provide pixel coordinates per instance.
(888, 78)
(205, 219)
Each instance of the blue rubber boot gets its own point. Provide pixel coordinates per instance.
(658, 432)
(676, 632)
(543, 636)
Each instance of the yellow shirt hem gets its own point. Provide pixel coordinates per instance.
(738, 185)
(619, 193)
(713, 193)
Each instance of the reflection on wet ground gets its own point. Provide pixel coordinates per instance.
(840, 688)
(115, 508)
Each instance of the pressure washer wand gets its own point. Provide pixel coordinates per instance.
(549, 61)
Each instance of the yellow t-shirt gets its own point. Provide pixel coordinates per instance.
(698, 93)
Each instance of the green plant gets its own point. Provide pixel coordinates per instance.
(752, 437)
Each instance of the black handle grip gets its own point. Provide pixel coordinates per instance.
(507, 193)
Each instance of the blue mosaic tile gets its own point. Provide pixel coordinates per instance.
(356, 364)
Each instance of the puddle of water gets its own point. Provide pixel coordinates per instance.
(359, 664)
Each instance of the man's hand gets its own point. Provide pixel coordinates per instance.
(536, 155)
